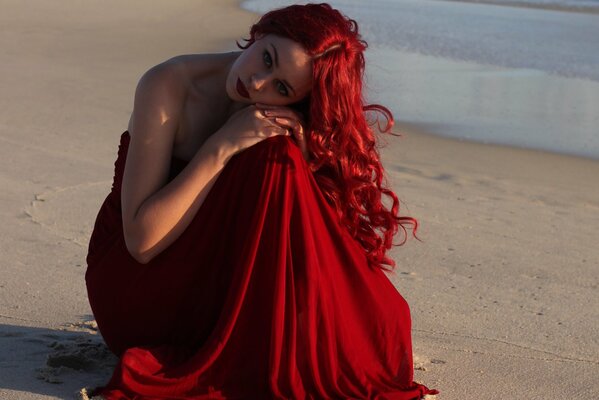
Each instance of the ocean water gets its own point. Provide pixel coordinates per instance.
(520, 76)
(574, 5)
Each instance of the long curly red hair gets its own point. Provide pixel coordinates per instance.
(340, 141)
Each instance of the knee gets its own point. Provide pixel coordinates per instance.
(278, 149)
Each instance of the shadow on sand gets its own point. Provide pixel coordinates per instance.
(53, 362)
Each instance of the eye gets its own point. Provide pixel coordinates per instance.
(267, 59)
(282, 89)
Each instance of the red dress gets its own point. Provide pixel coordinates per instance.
(264, 296)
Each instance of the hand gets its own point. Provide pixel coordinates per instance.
(243, 129)
(288, 119)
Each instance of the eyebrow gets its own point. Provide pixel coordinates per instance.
(274, 49)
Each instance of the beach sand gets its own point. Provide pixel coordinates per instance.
(503, 287)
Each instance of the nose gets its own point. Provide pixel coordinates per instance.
(257, 81)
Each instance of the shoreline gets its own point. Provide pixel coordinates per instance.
(549, 7)
(410, 128)
(502, 162)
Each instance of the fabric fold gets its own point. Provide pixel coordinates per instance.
(264, 296)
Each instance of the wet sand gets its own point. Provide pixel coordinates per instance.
(523, 4)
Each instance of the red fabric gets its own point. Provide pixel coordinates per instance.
(264, 296)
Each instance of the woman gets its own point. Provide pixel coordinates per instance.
(237, 255)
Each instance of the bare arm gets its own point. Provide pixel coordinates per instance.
(163, 217)
(155, 213)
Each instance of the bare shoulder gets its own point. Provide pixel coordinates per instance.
(160, 120)
(197, 66)
(159, 88)
(157, 110)
(166, 86)
(186, 67)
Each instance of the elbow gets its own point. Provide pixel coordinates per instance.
(139, 255)
(136, 250)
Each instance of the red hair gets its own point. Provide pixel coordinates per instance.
(341, 143)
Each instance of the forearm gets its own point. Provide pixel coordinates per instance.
(163, 217)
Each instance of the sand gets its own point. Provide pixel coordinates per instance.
(503, 288)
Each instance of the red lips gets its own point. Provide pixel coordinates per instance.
(242, 90)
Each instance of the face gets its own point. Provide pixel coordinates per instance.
(274, 70)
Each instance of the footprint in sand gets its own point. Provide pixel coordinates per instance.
(62, 210)
(424, 364)
(77, 353)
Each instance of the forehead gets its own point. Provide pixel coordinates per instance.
(294, 63)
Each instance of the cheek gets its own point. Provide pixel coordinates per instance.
(239, 64)
(245, 59)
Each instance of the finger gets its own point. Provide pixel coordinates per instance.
(298, 132)
(273, 122)
(257, 111)
(278, 111)
(259, 114)
(293, 124)
(284, 113)
(278, 130)
(286, 122)
(275, 111)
